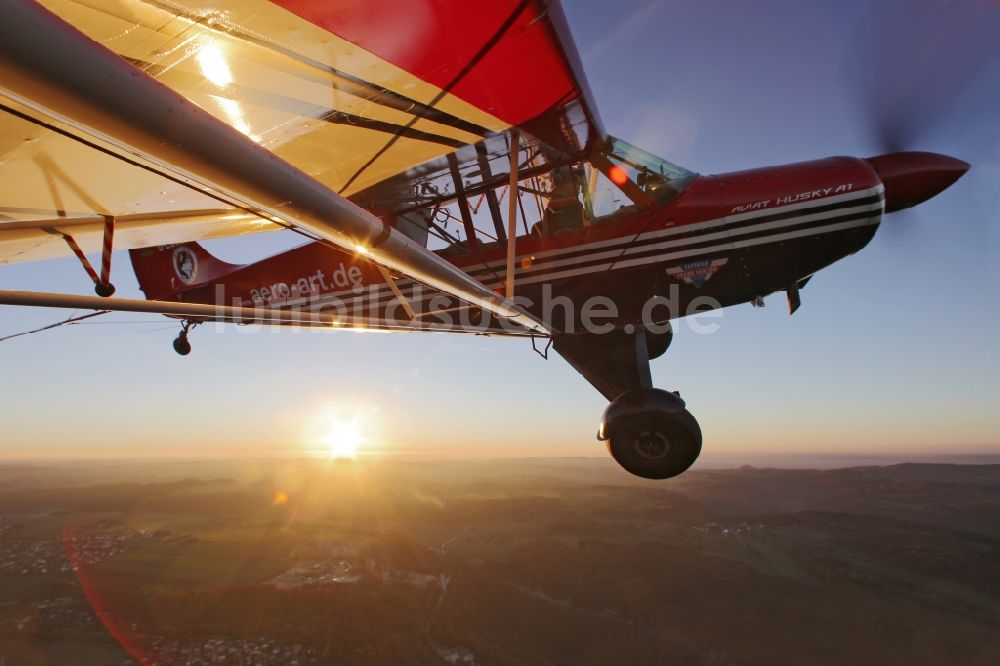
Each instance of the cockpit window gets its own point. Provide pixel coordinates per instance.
(660, 179)
(657, 179)
(608, 184)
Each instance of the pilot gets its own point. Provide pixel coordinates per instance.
(564, 210)
(656, 185)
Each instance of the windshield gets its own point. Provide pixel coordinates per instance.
(655, 178)
(660, 179)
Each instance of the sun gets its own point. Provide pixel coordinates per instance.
(343, 439)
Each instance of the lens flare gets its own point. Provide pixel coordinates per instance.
(618, 175)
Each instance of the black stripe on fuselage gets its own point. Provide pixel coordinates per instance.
(688, 242)
(693, 243)
(717, 246)
(683, 236)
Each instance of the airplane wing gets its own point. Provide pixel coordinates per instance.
(364, 96)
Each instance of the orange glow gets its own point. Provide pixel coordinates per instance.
(526, 262)
(280, 497)
(617, 175)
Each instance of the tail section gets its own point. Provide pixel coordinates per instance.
(167, 270)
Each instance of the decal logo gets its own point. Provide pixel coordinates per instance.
(697, 273)
(185, 265)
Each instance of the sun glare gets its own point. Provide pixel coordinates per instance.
(214, 66)
(343, 440)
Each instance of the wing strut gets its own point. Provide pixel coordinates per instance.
(491, 195)
(96, 92)
(202, 312)
(515, 199)
(463, 205)
(231, 313)
(403, 300)
(102, 282)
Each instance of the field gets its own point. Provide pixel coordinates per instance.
(496, 562)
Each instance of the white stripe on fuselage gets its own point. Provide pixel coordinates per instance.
(698, 226)
(636, 247)
(619, 256)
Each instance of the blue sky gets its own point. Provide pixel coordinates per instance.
(893, 351)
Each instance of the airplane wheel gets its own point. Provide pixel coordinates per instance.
(651, 434)
(182, 345)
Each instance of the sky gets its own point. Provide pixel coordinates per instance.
(893, 352)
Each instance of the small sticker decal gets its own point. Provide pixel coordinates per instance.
(185, 265)
(696, 273)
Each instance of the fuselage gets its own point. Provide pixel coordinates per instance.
(724, 240)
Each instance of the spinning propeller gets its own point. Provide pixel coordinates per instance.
(915, 64)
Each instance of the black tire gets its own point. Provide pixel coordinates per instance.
(655, 445)
(181, 345)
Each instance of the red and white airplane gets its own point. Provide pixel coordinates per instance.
(446, 162)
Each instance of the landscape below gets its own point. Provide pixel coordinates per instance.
(496, 562)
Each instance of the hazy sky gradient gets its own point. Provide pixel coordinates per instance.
(893, 351)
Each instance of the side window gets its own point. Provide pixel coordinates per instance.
(606, 199)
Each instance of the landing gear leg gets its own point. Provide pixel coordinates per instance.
(181, 343)
(648, 431)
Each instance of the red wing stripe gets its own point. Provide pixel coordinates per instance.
(521, 76)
